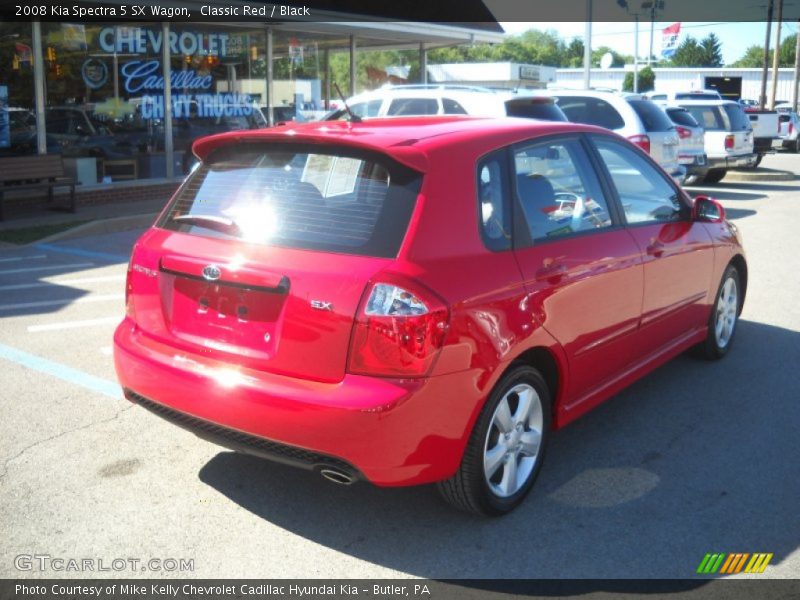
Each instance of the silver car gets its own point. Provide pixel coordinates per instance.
(691, 143)
(789, 125)
(630, 115)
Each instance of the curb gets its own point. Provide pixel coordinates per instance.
(100, 227)
(760, 175)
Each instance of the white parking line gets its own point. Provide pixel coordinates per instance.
(74, 324)
(50, 268)
(67, 282)
(65, 301)
(18, 258)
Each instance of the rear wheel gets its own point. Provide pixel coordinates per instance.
(715, 175)
(724, 316)
(796, 145)
(506, 448)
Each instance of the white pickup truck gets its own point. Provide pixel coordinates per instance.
(766, 132)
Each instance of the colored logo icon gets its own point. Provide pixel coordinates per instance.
(732, 563)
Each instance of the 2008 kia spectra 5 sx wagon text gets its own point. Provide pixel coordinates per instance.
(419, 300)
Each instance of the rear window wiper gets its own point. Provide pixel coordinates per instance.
(213, 222)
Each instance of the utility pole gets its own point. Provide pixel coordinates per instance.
(776, 59)
(762, 99)
(587, 47)
(652, 27)
(796, 69)
(636, 54)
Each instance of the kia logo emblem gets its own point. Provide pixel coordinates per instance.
(211, 272)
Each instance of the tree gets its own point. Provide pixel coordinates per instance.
(647, 80)
(573, 56)
(752, 57)
(712, 51)
(689, 54)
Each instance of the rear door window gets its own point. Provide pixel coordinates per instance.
(557, 190)
(413, 106)
(287, 195)
(592, 111)
(653, 118)
(681, 116)
(535, 108)
(452, 107)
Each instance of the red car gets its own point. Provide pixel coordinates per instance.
(419, 300)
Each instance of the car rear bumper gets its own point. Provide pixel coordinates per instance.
(732, 162)
(387, 431)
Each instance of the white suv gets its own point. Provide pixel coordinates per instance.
(632, 116)
(728, 135)
(422, 100)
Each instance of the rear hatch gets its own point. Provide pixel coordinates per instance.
(263, 255)
(716, 120)
(691, 140)
(661, 131)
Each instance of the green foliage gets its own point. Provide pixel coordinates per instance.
(712, 51)
(646, 77)
(754, 55)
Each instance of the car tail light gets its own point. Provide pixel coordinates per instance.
(791, 127)
(728, 142)
(642, 141)
(684, 133)
(129, 310)
(399, 330)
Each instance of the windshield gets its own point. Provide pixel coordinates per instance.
(283, 195)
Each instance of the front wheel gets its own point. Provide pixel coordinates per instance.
(506, 448)
(724, 316)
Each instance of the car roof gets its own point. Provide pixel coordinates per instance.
(408, 140)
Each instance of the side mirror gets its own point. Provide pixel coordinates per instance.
(708, 210)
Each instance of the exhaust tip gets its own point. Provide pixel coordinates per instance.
(337, 476)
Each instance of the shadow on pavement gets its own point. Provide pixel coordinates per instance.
(697, 457)
(724, 194)
(739, 213)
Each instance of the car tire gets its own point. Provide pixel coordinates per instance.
(796, 145)
(505, 450)
(723, 318)
(715, 176)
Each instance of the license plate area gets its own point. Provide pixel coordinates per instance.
(231, 318)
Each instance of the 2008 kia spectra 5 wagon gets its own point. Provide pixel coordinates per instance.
(419, 300)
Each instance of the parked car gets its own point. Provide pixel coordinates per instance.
(406, 301)
(707, 94)
(728, 136)
(691, 146)
(419, 100)
(766, 130)
(790, 125)
(630, 115)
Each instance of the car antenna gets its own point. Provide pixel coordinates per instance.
(353, 117)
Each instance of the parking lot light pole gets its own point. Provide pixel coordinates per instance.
(776, 57)
(762, 99)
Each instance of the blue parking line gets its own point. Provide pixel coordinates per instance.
(37, 363)
(82, 252)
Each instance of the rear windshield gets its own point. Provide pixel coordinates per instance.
(322, 199)
(535, 109)
(697, 96)
(653, 118)
(737, 117)
(681, 116)
(710, 117)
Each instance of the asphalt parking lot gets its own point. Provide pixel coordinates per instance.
(698, 457)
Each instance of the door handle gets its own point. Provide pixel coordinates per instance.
(552, 271)
(655, 248)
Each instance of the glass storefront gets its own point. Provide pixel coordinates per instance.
(104, 97)
(17, 115)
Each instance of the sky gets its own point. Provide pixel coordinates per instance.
(734, 37)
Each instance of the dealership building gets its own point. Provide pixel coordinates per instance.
(95, 92)
(730, 82)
